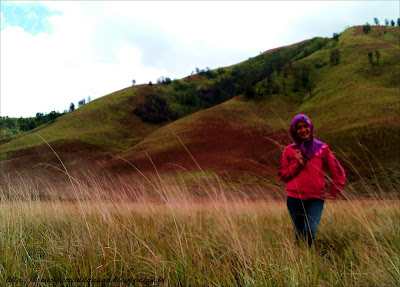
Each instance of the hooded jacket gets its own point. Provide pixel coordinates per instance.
(308, 180)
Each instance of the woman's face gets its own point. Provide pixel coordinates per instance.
(303, 130)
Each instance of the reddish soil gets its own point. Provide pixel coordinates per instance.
(375, 31)
(193, 78)
(72, 154)
(276, 49)
(216, 146)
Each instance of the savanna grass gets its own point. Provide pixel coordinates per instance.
(151, 229)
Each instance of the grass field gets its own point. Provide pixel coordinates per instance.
(198, 227)
(149, 229)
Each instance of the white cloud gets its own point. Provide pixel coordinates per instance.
(97, 47)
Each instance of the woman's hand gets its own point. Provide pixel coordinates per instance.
(327, 196)
(299, 157)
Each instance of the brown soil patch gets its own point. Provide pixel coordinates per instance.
(276, 49)
(375, 31)
(215, 145)
(73, 154)
(193, 78)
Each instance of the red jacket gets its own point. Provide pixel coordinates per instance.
(307, 181)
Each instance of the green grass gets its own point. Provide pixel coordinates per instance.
(108, 227)
(107, 122)
(354, 91)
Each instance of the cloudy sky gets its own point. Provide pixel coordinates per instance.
(57, 52)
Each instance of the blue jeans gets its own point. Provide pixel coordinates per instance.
(305, 216)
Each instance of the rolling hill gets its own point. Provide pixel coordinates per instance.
(234, 120)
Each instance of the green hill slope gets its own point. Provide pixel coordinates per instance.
(354, 105)
(95, 130)
(234, 120)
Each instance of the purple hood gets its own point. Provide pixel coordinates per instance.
(309, 146)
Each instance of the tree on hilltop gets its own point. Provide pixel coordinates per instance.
(53, 115)
(376, 21)
(160, 80)
(336, 37)
(71, 108)
(366, 28)
(386, 22)
(392, 23)
(398, 21)
(81, 102)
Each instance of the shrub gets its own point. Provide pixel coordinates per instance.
(153, 110)
(336, 37)
(370, 57)
(222, 90)
(334, 57)
(366, 28)
(377, 55)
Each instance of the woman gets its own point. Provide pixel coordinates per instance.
(302, 168)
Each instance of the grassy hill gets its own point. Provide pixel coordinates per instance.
(353, 104)
(234, 120)
(95, 130)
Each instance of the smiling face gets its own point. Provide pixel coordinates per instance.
(303, 130)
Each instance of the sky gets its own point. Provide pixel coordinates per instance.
(54, 53)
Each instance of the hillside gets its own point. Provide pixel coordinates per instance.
(234, 120)
(94, 131)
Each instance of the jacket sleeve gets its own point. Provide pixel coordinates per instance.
(336, 172)
(288, 170)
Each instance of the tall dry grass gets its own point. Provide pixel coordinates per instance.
(104, 227)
